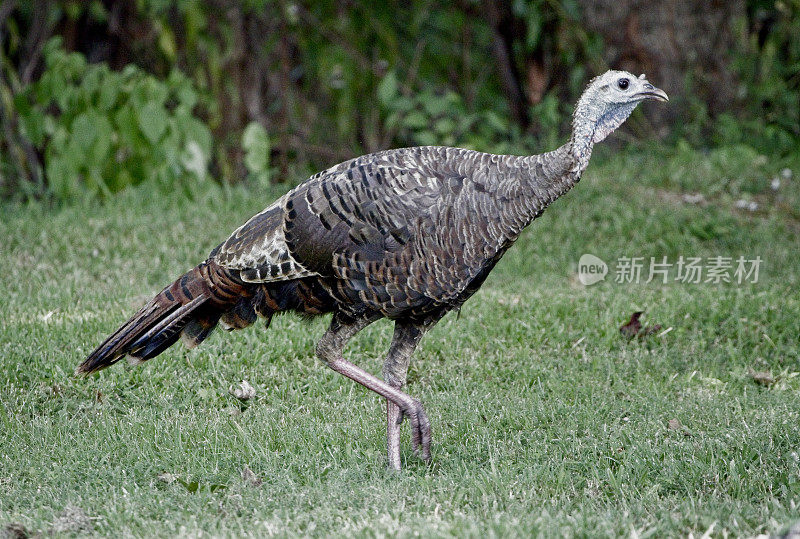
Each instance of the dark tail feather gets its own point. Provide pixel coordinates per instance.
(192, 306)
(148, 333)
(165, 333)
(159, 324)
(198, 329)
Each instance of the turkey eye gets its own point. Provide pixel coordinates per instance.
(623, 84)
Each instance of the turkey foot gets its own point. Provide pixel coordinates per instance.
(420, 428)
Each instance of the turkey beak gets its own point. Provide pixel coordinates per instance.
(651, 92)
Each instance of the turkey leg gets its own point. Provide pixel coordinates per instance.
(329, 349)
(395, 368)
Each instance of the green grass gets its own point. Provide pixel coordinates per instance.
(545, 420)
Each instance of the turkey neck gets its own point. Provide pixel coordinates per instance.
(541, 179)
(545, 177)
(585, 122)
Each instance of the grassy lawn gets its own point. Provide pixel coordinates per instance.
(545, 420)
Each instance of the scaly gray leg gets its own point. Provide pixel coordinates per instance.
(395, 368)
(329, 349)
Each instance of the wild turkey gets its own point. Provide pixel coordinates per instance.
(406, 234)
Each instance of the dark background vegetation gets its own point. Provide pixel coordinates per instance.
(96, 96)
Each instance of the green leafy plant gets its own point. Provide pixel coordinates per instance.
(101, 131)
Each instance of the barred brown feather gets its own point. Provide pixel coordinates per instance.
(192, 300)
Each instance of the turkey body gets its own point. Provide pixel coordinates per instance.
(406, 234)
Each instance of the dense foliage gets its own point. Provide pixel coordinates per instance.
(102, 130)
(173, 92)
(768, 66)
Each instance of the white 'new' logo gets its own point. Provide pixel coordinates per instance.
(591, 269)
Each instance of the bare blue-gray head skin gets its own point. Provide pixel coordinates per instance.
(605, 104)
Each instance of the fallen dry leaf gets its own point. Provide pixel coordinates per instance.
(694, 198)
(633, 327)
(244, 392)
(761, 377)
(250, 477)
(167, 477)
(675, 424)
(652, 330)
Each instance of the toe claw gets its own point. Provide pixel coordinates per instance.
(420, 428)
(421, 436)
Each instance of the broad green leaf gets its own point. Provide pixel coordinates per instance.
(125, 122)
(187, 96)
(83, 131)
(415, 120)
(92, 82)
(166, 42)
(194, 160)
(426, 138)
(104, 133)
(22, 104)
(97, 11)
(444, 126)
(50, 125)
(195, 130)
(75, 66)
(392, 120)
(32, 125)
(152, 120)
(109, 91)
(62, 179)
(74, 154)
(402, 104)
(155, 90)
(64, 95)
(495, 121)
(434, 104)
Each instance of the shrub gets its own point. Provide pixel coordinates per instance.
(100, 131)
